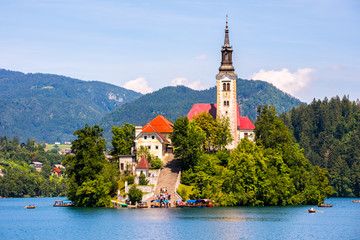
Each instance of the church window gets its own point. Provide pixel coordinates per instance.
(228, 87)
(145, 137)
(149, 147)
(227, 103)
(224, 103)
(152, 137)
(156, 147)
(224, 87)
(226, 56)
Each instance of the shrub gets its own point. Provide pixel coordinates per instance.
(143, 180)
(135, 194)
(130, 179)
(156, 163)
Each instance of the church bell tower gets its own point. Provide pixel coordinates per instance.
(226, 88)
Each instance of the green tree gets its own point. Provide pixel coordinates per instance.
(144, 151)
(135, 194)
(143, 180)
(88, 185)
(156, 163)
(188, 140)
(122, 139)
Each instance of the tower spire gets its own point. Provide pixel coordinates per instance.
(226, 41)
(226, 66)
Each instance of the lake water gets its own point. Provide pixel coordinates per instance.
(47, 222)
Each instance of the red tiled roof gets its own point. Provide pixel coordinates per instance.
(149, 128)
(242, 122)
(143, 163)
(56, 169)
(245, 123)
(162, 124)
(202, 107)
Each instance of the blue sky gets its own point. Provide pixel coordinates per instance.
(308, 48)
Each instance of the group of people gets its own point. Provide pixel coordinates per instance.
(162, 199)
(163, 195)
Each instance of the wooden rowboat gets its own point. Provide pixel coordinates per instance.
(30, 207)
(312, 210)
(357, 201)
(325, 205)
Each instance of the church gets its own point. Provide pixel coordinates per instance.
(226, 105)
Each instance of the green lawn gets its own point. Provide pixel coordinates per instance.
(62, 147)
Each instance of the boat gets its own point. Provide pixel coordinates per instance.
(155, 203)
(325, 205)
(30, 207)
(142, 204)
(312, 210)
(357, 201)
(63, 203)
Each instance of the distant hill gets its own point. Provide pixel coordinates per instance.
(173, 102)
(48, 107)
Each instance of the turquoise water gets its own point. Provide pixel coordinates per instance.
(46, 222)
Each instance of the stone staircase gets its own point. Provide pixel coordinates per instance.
(169, 175)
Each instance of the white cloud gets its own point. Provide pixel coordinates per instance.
(196, 85)
(201, 57)
(139, 85)
(285, 80)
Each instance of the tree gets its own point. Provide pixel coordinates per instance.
(188, 140)
(223, 133)
(143, 180)
(88, 185)
(156, 163)
(144, 151)
(122, 140)
(135, 194)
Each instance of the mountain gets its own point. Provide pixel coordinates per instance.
(173, 102)
(48, 107)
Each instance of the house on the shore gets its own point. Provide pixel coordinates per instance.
(155, 136)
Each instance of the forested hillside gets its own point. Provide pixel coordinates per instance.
(173, 102)
(19, 179)
(48, 107)
(329, 132)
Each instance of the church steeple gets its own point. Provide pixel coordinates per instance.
(226, 66)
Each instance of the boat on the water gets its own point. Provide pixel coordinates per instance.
(325, 205)
(142, 204)
(63, 203)
(312, 210)
(357, 201)
(30, 207)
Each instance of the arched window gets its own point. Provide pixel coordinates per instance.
(224, 87)
(224, 103)
(227, 103)
(228, 87)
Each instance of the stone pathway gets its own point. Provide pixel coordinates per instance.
(168, 176)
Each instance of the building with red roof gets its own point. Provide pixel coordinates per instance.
(240, 127)
(155, 136)
(143, 166)
(56, 172)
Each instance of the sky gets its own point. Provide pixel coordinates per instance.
(310, 49)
